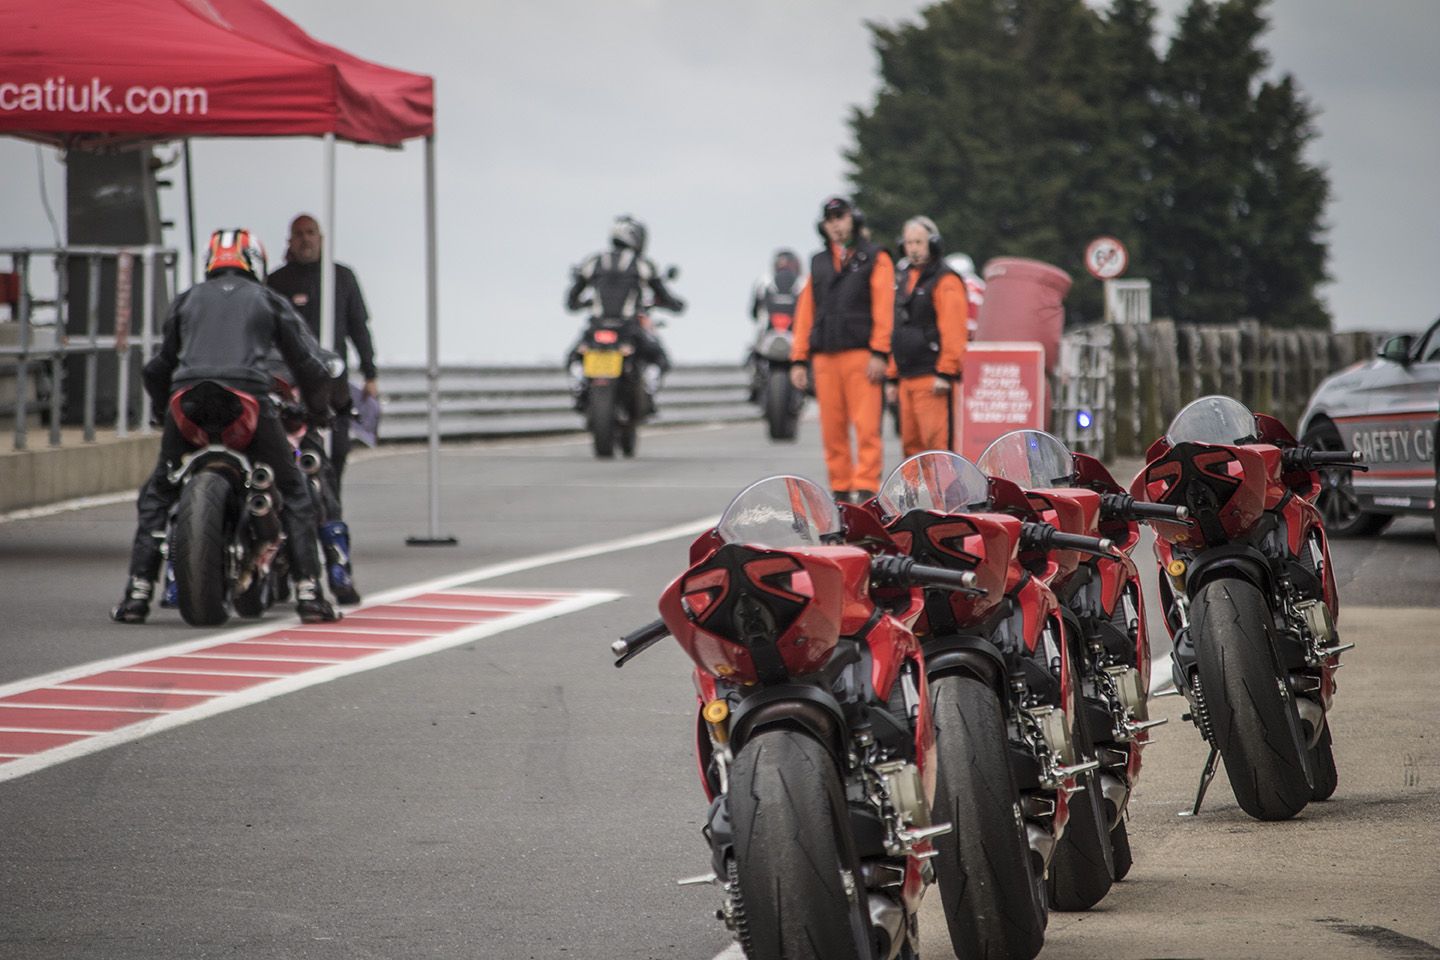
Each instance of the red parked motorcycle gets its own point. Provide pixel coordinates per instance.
(1002, 690)
(1105, 618)
(1250, 599)
(815, 745)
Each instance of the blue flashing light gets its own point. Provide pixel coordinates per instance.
(1083, 419)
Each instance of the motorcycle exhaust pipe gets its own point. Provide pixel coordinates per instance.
(1116, 796)
(264, 518)
(310, 463)
(1042, 842)
(887, 926)
(262, 477)
(1312, 714)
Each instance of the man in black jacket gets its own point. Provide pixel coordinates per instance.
(299, 282)
(222, 331)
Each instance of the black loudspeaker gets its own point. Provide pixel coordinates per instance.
(111, 199)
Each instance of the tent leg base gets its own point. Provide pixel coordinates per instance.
(431, 542)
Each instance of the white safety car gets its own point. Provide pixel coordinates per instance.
(1387, 408)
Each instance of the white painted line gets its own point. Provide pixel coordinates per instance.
(101, 688)
(255, 656)
(77, 707)
(317, 642)
(266, 691)
(68, 733)
(187, 672)
(732, 952)
(487, 572)
(66, 506)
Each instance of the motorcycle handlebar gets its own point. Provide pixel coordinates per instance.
(1125, 507)
(1045, 536)
(1308, 458)
(905, 572)
(637, 642)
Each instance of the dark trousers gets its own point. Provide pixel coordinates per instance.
(270, 447)
(339, 450)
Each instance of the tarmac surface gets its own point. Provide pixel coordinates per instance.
(514, 796)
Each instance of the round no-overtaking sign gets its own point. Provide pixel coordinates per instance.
(1106, 258)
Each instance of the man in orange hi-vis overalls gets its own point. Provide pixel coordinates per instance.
(842, 327)
(928, 342)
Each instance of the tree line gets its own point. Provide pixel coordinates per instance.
(1028, 127)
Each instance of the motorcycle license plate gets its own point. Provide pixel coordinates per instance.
(604, 364)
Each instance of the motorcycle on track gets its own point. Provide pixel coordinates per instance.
(1250, 599)
(224, 533)
(813, 733)
(777, 397)
(1109, 648)
(1003, 694)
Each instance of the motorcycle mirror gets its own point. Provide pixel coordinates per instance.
(672, 272)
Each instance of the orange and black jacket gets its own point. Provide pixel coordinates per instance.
(931, 311)
(847, 303)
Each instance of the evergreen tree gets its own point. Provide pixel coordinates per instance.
(1027, 127)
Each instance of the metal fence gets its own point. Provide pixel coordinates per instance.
(492, 401)
(41, 334)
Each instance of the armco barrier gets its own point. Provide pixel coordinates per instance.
(500, 401)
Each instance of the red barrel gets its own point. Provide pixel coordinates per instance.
(1024, 301)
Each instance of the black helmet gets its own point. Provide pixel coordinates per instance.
(837, 206)
(786, 259)
(628, 232)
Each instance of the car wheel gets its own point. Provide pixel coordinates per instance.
(1337, 502)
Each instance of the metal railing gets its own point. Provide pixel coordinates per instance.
(497, 401)
(42, 334)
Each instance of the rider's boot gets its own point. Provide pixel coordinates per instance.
(311, 604)
(134, 606)
(650, 378)
(579, 396)
(169, 589)
(335, 538)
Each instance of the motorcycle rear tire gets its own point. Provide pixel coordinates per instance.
(627, 430)
(990, 883)
(1083, 867)
(1252, 713)
(199, 546)
(781, 411)
(792, 842)
(603, 425)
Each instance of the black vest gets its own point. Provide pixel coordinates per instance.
(915, 341)
(842, 300)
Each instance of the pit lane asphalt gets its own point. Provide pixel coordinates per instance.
(517, 797)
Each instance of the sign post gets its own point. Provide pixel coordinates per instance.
(1002, 389)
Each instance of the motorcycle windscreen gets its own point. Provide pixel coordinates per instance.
(782, 512)
(1214, 419)
(1031, 459)
(936, 480)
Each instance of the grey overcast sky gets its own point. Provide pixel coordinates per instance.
(722, 126)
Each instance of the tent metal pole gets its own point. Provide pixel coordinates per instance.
(327, 250)
(190, 219)
(432, 354)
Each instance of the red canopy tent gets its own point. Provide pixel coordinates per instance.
(77, 73)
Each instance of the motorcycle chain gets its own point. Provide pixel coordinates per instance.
(1201, 713)
(741, 926)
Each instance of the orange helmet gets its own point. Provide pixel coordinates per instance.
(237, 250)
